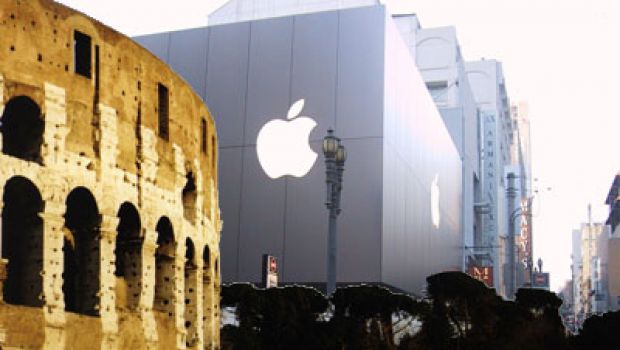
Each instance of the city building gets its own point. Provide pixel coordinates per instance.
(589, 269)
(401, 200)
(567, 308)
(487, 83)
(438, 57)
(613, 245)
(109, 213)
(487, 157)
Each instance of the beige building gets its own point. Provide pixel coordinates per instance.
(613, 272)
(589, 265)
(110, 219)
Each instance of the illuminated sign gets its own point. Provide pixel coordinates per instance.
(482, 273)
(283, 146)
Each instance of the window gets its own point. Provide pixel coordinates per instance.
(162, 110)
(203, 136)
(438, 90)
(82, 54)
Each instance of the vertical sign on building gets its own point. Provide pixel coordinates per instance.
(270, 271)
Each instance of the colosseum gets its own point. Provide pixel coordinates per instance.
(108, 178)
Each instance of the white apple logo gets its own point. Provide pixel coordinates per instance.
(435, 212)
(282, 145)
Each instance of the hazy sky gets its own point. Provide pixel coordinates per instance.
(561, 57)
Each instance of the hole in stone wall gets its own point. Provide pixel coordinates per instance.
(213, 153)
(203, 135)
(81, 253)
(128, 256)
(82, 54)
(22, 129)
(22, 242)
(162, 111)
(164, 266)
(189, 198)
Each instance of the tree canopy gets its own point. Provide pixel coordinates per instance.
(458, 312)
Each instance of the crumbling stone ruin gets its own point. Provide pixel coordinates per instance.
(109, 206)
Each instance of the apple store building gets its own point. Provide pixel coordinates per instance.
(275, 86)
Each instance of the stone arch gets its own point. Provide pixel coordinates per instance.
(165, 267)
(22, 242)
(81, 250)
(433, 41)
(22, 128)
(128, 251)
(191, 283)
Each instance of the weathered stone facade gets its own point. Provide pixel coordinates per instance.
(110, 219)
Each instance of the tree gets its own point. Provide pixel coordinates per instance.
(291, 318)
(364, 316)
(463, 313)
(599, 332)
(275, 318)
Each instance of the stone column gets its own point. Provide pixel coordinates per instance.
(216, 300)
(207, 290)
(55, 124)
(149, 326)
(53, 239)
(200, 308)
(107, 282)
(108, 150)
(179, 287)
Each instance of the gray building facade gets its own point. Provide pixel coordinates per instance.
(356, 76)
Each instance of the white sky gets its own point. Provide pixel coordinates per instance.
(561, 57)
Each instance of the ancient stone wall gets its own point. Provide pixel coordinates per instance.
(110, 219)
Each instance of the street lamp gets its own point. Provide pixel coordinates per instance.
(335, 156)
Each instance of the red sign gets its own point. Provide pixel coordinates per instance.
(482, 273)
(541, 280)
(273, 264)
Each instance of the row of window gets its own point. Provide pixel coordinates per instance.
(82, 52)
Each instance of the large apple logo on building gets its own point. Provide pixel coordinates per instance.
(283, 146)
(435, 212)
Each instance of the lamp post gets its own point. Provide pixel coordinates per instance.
(511, 193)
(335, 156)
